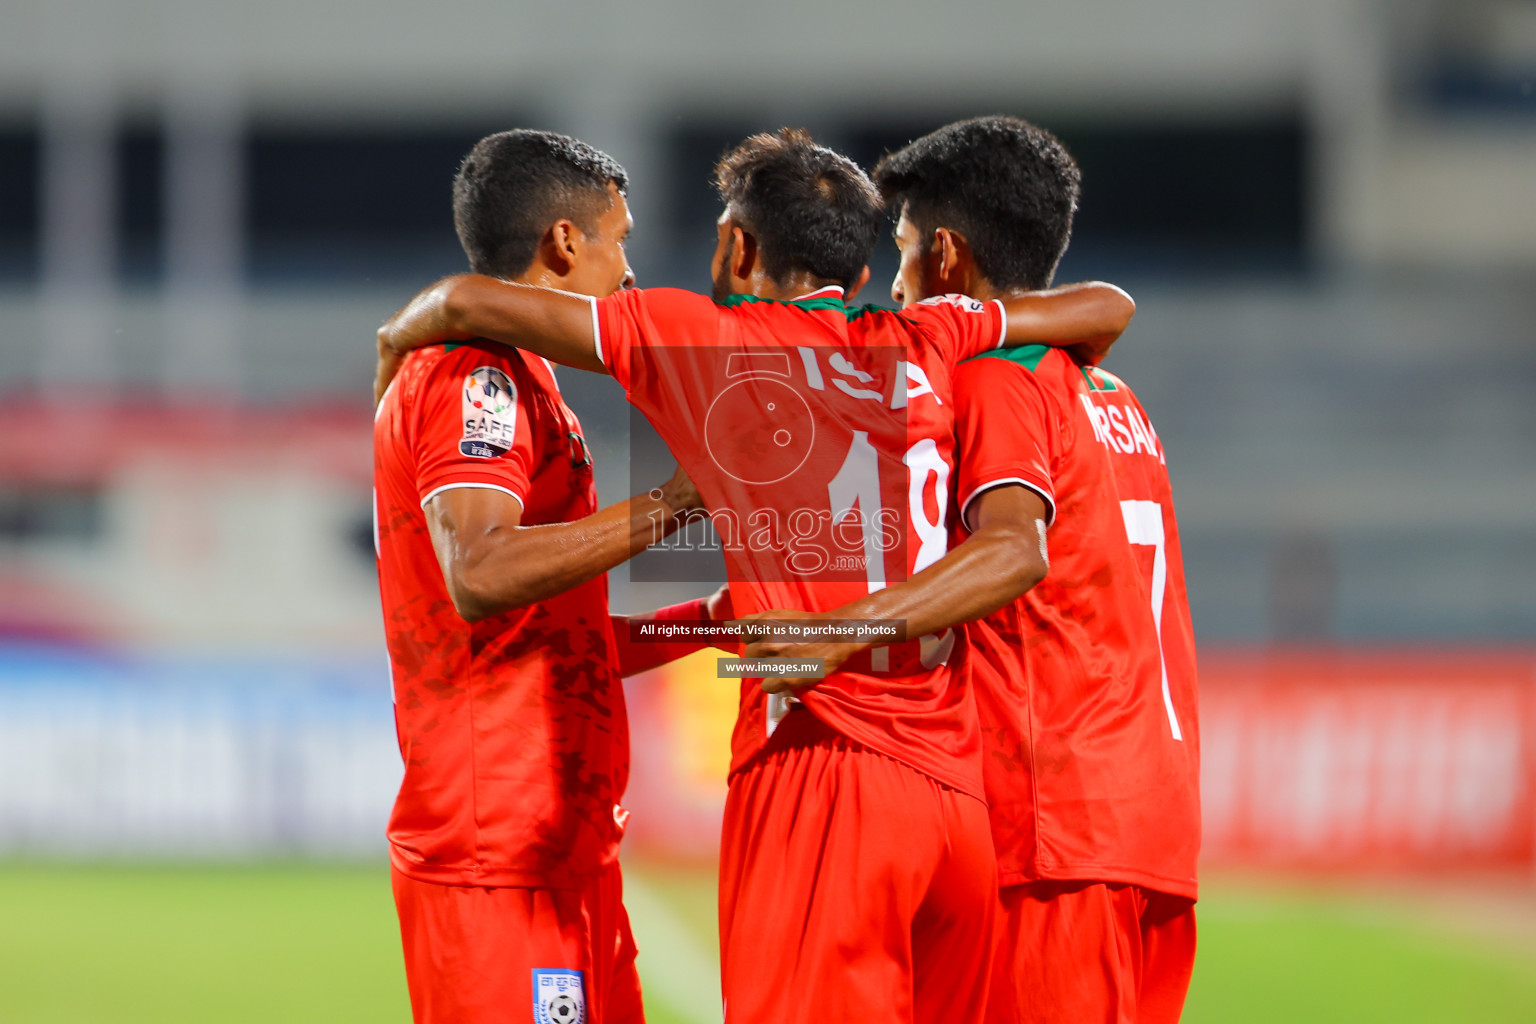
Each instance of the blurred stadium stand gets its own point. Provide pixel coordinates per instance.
(1326, 211)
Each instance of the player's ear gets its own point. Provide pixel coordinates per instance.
(952, 252)
(743, 253)
(560, 246)
(858, 282)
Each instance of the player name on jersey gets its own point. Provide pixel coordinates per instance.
(1118, 426)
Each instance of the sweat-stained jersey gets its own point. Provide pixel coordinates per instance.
(513, 728)
(1086, 685)
(821, 439)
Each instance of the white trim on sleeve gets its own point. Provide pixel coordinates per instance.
(980, 489)
(476, 485)
(597, 334)
(1002, 334)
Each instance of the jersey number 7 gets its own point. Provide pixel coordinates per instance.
(1144, 525)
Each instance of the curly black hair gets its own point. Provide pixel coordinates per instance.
(1008, 186)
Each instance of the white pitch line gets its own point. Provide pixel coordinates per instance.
(674, 967)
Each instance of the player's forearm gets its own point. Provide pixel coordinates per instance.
(518, 566)
(1002, 558)
(553, 324)
(997, 564)
(989, 569)
(425, 320)
(1086, 317)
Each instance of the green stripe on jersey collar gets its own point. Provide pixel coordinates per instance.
(811, 305)
(829, 302)
(1027, 356)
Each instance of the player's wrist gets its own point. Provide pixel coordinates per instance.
(835, 654)
(718, 606)
(686, 610)
(679, 497)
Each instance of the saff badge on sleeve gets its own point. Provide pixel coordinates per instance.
(490, 413)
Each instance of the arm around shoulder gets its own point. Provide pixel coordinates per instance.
(1086, 317)
(554, 324)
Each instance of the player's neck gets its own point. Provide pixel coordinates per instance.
(792, 287)
(978, 287)
(543, 277)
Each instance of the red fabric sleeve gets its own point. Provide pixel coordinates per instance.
(633, 322)
(640, 657)
(963, 326)
(1006, 430)
(456, 443)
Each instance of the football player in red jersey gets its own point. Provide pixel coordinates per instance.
(508, 702)
(857, 875)
(1085, 685)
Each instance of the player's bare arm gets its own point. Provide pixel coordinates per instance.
(1003, 558)
(1086, 318)
(492, 563)
(554, 324)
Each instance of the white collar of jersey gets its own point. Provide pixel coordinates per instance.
(827, 292)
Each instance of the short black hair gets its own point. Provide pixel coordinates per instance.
(810, 208)
(513, 185)
(1008, 186)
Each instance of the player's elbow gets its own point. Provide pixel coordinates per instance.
(471, 603)
(1119, 307)
(1031, 569)
(454, 303)
(1023, 561)
(1037, 574)
(1125, 308)
(476, 596)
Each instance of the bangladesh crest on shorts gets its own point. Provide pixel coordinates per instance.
(558, 997)
(490, 413)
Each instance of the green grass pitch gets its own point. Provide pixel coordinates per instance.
(95, 944)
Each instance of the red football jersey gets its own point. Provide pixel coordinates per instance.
(1085, 685)
(821, 439)
(513, 728)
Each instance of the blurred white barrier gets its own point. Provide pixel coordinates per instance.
(1325, 759)
(193, 760)
(1368, 760)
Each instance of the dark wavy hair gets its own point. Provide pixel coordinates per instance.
(513, 185)
(810, 208)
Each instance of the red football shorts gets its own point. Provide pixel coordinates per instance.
(477, 955)
(852, 888)
(1079, 952)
